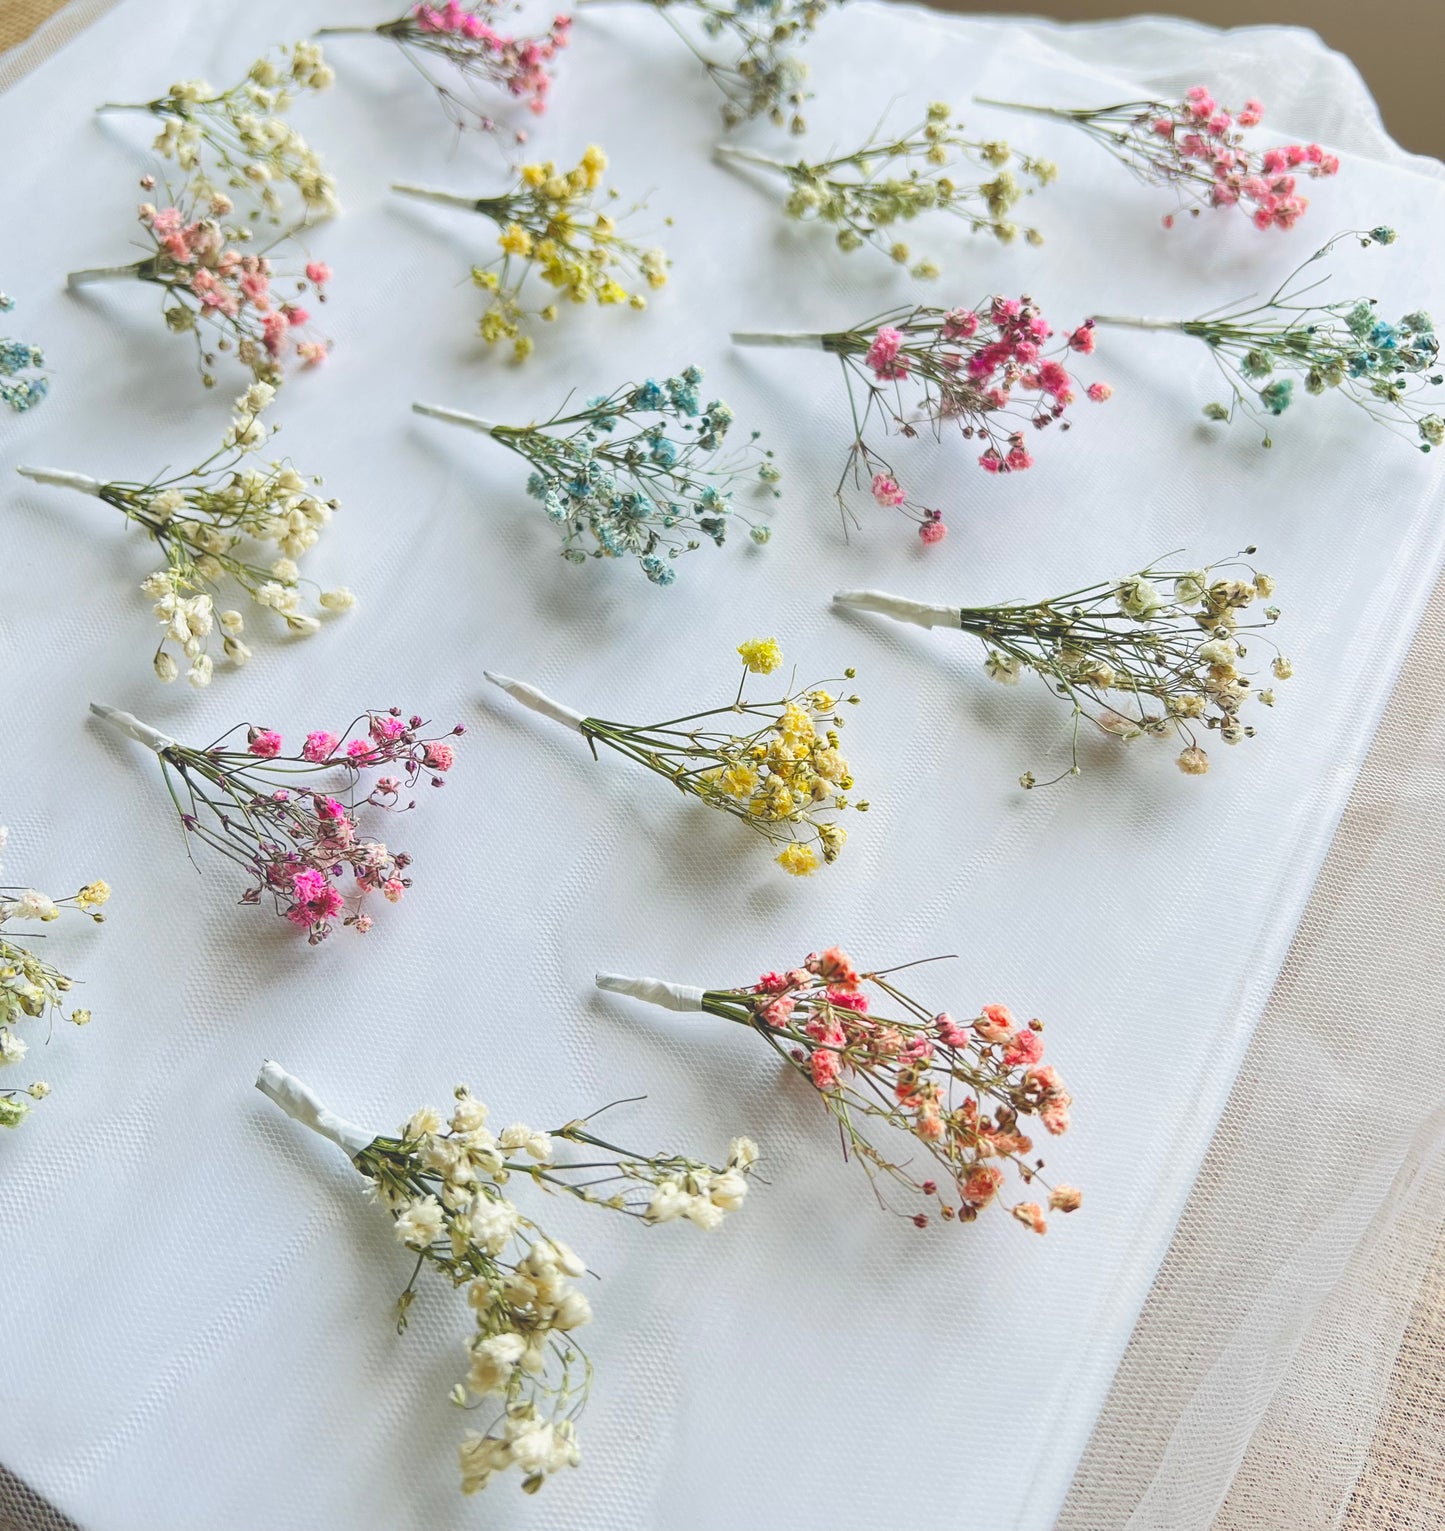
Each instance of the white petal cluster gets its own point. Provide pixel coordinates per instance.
(701, 1195)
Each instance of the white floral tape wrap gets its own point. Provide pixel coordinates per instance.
(538, 701)
(656, 991)
(300, 1103)
(433, 194)
(920, 613)
(132, 727)
(454, 417)
(806, 340)
(63, 479)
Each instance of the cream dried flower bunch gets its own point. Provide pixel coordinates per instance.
(448, 1183)
(225, 523)
(893, 179)
(31, 988)
(776, 765)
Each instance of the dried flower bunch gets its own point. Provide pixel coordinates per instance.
(32, 989)
(1198, 147)
(296, 824)
(639, 473)
(893, 179)
(881, 1059)
(983, 370)
(22, 384)
(783, 776)
(551, 224)
(1157, 655)
(445, 1182)
(239, 141)
(1262, 348)
(465, 58)
(222, 523)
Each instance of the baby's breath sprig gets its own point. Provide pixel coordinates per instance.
(295, 823)
(1261, 348)
(550, 223)
(477, 58)
(31, 988)
(17, 359)
(630, 475)
(958, 1090)
(1156, 655)
(894, 179)
(1197, 147)
(784, 775)
(210, 524)
(445, 1183)
(239, 139)
(982, 370)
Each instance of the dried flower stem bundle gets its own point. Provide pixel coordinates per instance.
(631, 475)
(1197, 147)
(31, 988)
(1155, 655)
(1261, 348)
(983, 370)
(210, 524)
(17, 359)
(894, 179)
(551, 225)
(238, 140)
(295, 824)
(780, 775)
(464, 57)
(445, 1184)
(958, 1090)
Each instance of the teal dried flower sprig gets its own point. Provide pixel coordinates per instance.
(22, 384)
(1262, 349)
(639, 473)
(894, 179)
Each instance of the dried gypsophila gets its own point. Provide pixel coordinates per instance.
(550, 223)
(444, 1182)
(478, 58)
(22, 384)
(894, 179)
(957, 1090)
(780, 776)
(238, 140)
(1131, 659)
(1261, 348)
(981, 370)
(296, 824)
(1196, 146)
(211, 524)
(208, 283)
(31, 988)
(618, 484)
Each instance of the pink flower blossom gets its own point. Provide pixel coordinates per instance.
(266, 743)
(1099, 392)
(1025, 1046)
(886, 490)
(318, 273)
(318, 746)
(931, 532)
(439, 756)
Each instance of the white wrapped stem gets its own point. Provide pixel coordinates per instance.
(454, 417)
(101, 274)
(806, 340)
(62, 478)
(132, 727)
(302, 1105)
(538, 701)
(1123, 321)
(656, 991)
(724, 153)
(433, 194)
(920, 613)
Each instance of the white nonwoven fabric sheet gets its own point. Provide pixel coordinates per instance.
(198, 1322)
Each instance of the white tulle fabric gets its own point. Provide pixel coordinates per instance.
(197, 1321)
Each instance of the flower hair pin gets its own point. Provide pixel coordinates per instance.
(446, 1184)
(1198, 148)
(238, 140)
(32, 989)
(878, 1058)
(783, 775)
(550, 223)
(638, 473)
(1155, 655)
(895, 179)
(217, 525)
(983, 370)
(207, 284)
(464, 57)
(295, 824)
(17, 359)
(1262, 348)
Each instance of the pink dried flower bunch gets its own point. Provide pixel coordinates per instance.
(1198, 147)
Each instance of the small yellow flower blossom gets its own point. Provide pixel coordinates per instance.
(761, 655)
(515, 240)
(738, 780)
(92, 895)
(798, 860)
